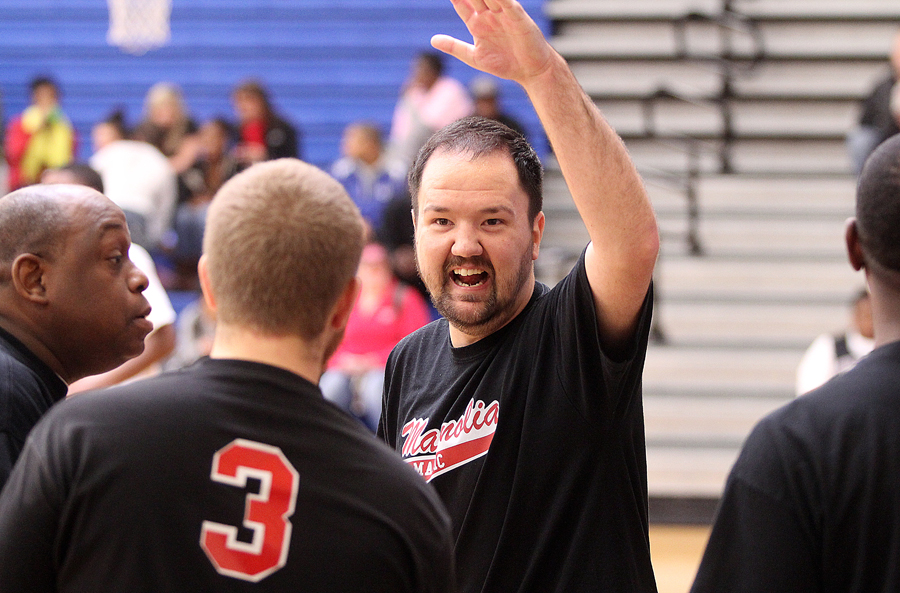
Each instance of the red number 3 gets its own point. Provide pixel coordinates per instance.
(265, 514)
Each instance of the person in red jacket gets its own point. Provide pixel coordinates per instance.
(386, 312)
(40, 138)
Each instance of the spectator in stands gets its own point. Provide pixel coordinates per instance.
(387, 311)
(214, 166)
(40, 138)
(812, 502)
(429, 101)
(486, 94)
(397, 234)
(160, 342)
(830, 354)
(877, 121)
(168, 126)
(70, 302)
(263, 134)
(138, 178)
(370, 177)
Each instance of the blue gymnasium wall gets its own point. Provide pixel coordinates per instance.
(325, 63)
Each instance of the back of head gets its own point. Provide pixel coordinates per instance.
(478, 136)
(878, 205)
(432, 60)
(282, 241)
(75, 172)
(109, 130)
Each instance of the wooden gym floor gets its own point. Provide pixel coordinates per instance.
(676, 551)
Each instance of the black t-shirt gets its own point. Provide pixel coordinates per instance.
(28, 388)
(208, 478)
(813, 501)
(534, 439)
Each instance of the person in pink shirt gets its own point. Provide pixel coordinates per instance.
(429, 101)
(386, 312)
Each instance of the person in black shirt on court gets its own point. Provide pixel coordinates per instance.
(813, 501)
(233, 474)
(522, 407)
(71, 302)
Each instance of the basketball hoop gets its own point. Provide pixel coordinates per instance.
(137, 26)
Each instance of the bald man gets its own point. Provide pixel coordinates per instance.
(71, 302)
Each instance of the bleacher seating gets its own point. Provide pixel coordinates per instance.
(325, 63)
(750, 101)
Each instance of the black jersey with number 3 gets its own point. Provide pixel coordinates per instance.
(227, 476)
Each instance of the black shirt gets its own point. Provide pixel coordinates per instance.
(139, 488)
(534, 439)
(813, 501)
(28, 388)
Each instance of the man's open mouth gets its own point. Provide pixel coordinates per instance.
(468, 277)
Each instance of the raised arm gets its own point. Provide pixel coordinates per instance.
(601, 177)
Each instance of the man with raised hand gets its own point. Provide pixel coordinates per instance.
(522, 407)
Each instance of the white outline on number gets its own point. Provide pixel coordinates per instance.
(259, 529)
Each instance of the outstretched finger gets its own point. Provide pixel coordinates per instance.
(464, 52)
(465, 8)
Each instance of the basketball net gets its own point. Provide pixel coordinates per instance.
(137, 26)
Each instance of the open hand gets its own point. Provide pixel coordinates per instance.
(507, 42)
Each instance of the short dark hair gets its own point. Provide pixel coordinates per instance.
(39, 81)
(479, 136)
(256, 89)
(85, 175)
(434, 60)
(116, 120)
(878, 204)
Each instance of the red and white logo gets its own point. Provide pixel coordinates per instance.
(455, 443)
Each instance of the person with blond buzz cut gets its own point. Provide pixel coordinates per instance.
(233, 474)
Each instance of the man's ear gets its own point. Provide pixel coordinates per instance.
(205, 287)
(854, 248)
(340, 314)
(537, 233)
(28, 277)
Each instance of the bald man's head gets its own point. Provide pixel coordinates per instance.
(34, 220)
(68, 290)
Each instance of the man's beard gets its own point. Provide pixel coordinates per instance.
(500, 305)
